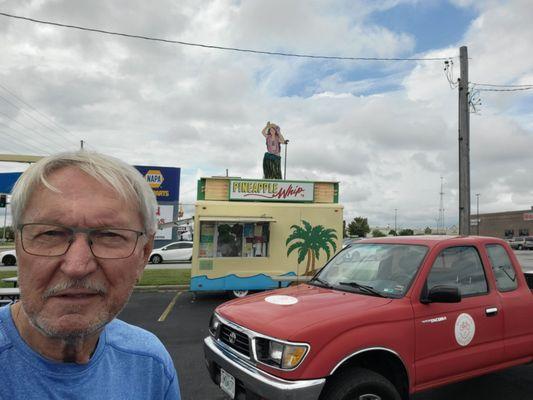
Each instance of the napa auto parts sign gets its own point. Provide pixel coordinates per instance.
(263, 190)
(164, 181)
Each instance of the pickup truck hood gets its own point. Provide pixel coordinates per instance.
(312, 305)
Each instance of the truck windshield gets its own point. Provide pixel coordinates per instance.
(387, 269)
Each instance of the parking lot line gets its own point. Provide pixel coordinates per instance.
(169, 308)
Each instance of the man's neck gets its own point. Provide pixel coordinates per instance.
(77, 350)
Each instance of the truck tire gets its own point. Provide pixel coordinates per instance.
(359, 384)
(519, 247)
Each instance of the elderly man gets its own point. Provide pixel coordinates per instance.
(84, 225)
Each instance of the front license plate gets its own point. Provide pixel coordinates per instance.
(227, 383)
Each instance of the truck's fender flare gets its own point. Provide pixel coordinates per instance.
(358, 352)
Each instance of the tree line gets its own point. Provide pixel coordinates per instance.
(359, 227)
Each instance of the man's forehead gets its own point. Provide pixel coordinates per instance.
(85, 201)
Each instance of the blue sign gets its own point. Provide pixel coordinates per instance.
(7, 181)
(165, 181)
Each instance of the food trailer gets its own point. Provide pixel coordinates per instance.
(255, 234)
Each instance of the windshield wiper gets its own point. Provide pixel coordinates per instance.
(321, 282)
(365, 288)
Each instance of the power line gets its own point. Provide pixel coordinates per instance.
(22, 144)
(504, 90)
(38, 112)
(209, 46)
(503, 86)
(35, 119)
(448, 72)
(25, 127)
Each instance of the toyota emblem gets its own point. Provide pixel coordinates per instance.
(232, 337)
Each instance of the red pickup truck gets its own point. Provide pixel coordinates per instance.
(384, 319)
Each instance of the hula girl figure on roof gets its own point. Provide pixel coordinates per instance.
(272, 159)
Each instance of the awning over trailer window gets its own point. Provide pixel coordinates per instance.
(236, 219)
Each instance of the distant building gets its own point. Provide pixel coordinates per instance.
(504, 225)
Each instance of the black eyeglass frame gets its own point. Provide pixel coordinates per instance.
(87, 231)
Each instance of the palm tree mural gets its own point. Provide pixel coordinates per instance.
(309, 240)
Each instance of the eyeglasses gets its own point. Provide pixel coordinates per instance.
(49, 240)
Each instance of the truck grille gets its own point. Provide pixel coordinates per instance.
(235, 339)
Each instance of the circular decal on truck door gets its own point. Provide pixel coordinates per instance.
(465, 328)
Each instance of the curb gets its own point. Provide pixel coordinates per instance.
(155, 288)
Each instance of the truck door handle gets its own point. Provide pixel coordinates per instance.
(490, 312)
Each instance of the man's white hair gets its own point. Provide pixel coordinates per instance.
(122, 177)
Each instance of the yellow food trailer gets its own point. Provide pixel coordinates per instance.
(248, 232)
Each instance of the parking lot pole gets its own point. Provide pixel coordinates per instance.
(5, 218)
(477, 212)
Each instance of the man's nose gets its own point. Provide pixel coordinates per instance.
(79, 260)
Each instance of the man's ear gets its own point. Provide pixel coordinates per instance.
(146, 250)
(148, 247)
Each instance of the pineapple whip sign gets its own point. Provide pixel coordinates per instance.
(271, 190)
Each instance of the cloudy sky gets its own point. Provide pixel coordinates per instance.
(386, 130)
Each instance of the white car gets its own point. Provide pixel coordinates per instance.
(177, 251)
(8, 257)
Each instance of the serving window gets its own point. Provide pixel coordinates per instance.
(234, 239)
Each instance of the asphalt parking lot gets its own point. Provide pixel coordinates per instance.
(184, 326)
(182, 332)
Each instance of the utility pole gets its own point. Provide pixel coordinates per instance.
(464, 146)
(395, 216)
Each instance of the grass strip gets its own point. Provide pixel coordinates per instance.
(150, 277)
(165, 277)
(6, 274)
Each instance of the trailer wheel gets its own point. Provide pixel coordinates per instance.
(359, 384)
(237, 294)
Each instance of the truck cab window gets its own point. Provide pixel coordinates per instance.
(502, 267)
(461, 267)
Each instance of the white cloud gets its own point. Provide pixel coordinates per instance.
(387, 132)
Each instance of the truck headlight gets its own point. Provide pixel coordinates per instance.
(214, 324)
(278, 354)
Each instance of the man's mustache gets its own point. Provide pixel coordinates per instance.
(96, 287)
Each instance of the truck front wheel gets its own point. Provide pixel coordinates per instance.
(359, 384)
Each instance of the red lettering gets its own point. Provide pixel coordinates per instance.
(288, 192)
(282, 193)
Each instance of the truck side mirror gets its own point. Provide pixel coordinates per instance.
(442, 294)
